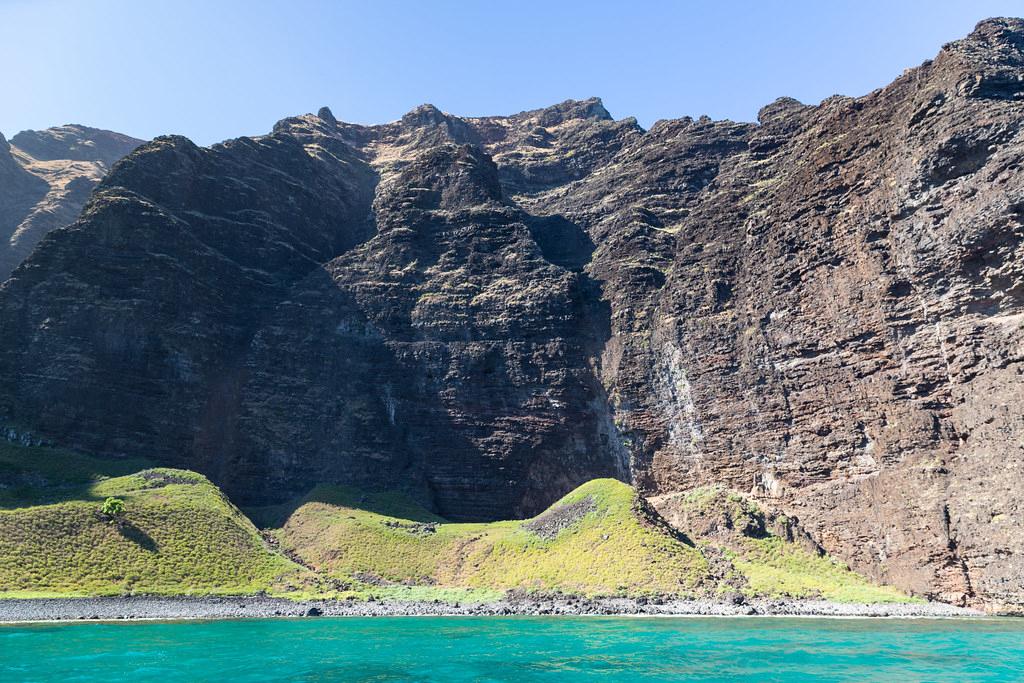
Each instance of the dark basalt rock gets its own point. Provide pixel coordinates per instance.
(824, 310)
(174, 258)
(556, 520)
(840, 321)
(451, 358)
(327, 116)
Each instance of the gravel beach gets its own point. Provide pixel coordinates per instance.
(128, 608)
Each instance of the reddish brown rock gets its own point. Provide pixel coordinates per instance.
(837, 326)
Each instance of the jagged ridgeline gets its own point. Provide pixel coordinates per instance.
(820, 313)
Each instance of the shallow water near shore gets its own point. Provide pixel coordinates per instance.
(518, 649)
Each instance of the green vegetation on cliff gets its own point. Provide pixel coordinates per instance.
(178, 534)
(775, 568)
(753, 546)
(173, 532)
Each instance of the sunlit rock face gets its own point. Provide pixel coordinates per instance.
(45, 179)
(822, 309)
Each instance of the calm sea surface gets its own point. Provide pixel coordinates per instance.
(518, 649)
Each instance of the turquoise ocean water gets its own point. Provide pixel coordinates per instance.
(518, 649)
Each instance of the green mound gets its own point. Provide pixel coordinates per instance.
(178, 535)
(600, 540)
(591, 543)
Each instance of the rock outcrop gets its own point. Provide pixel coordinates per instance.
(45, 179)
(822, 310)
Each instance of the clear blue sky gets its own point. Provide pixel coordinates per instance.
(214, 69)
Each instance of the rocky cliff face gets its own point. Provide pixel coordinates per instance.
(822, 309)
(45, 179)
(449, 353)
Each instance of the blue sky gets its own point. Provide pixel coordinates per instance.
(218, 69)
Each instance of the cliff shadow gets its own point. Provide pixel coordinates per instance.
(561, 241)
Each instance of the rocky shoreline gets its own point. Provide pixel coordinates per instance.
(175, 608)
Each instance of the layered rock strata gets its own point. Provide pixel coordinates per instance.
(822, 309)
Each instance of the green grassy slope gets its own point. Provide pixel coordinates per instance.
(603, 550)
(774, 568)
(599, 544)
(179, 534)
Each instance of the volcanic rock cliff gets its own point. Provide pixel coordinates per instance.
(45, 179)
(823, 309)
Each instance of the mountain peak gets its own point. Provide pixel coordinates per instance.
(988, 63)
(996, 40)
(593, 108)
(780, 109)
(75, 142)
(590, 108)
(327, 116)
(425, 115)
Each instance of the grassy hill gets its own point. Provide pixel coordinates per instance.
(180, 535)
(599, 540)
(590, 542)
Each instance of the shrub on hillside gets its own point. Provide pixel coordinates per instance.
(113, 508)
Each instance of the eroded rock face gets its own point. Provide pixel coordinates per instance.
(133, 322)
(45, 179)
(445, 354)
(822, 310)
(838, 326)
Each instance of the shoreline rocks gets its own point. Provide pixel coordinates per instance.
(242, 607)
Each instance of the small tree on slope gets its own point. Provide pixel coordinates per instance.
(113, 508)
